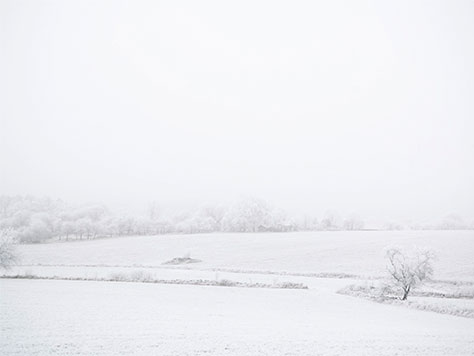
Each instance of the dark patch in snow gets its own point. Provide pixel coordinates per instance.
(182, 261)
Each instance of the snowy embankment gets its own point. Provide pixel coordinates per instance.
(175, 275)
(452, 301)
(141, 276)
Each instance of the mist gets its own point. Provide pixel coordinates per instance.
(236, 178)
(361, 108)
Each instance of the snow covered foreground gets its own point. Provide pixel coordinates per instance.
(58, 317)
(99, 318)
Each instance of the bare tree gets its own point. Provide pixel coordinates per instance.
(331, 221)
(353, 223)
(8, 254)
(409, 270)
(248, 215)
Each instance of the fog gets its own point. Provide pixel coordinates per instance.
(358, 107)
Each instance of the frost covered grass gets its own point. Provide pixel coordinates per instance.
(434, 288)
(144, 277)
(446, 289)
(439, 297)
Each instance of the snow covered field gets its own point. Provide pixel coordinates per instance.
(58, 317)
(100, 318)
(359, 253)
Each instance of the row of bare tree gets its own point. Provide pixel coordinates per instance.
(40, 219)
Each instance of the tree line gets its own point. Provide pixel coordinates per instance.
(34, 219)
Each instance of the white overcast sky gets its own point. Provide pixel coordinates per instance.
(355, 106)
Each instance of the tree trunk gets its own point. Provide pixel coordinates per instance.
(405, 293)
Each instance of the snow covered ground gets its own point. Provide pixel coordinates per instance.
(102, 318)
(359, 252)
(58, 317)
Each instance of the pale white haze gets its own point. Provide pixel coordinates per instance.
(353, 106)
(231, 178)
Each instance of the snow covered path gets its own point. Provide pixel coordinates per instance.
(46, 317)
